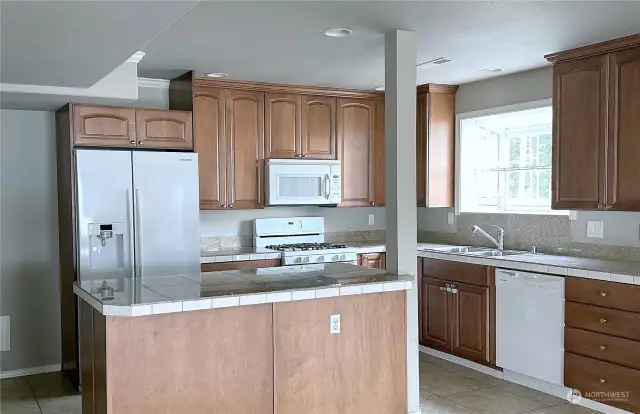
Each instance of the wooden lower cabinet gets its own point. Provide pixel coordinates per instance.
(362, 369)
(456, 317)
(372, 260)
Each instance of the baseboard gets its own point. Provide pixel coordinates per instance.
(461, 361)
(30, 371)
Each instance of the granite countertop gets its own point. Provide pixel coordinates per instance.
(178, 293)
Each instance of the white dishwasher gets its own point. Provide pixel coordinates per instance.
(530, 324)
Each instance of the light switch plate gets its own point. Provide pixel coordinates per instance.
(334, 324)
(595, 229)
(372, 219)
(5, 333)
(450, 219)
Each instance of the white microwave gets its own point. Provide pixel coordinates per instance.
(303, 182)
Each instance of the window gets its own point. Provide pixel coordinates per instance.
(504, 160)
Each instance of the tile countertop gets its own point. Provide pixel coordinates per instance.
(181, 293)
(238, 254)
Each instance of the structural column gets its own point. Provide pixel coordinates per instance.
(401, 210)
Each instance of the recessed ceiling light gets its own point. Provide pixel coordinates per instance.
(216, 75)
(338, 32)
(492, 70)
(380, 88)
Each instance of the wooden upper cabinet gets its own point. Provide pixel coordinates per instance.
(579, 133)
(318, 135)
(282, 124)
(436, 314)
(470, 315)
(104, 126)
(356, 120)
(435, 136)
(245, 148)
(210, 142)
(623, 175)
(164, 129)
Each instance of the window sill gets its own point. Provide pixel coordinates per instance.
(526, 213)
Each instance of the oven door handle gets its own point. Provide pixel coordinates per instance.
(327, 189)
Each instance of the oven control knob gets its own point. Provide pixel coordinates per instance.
(320, 259)
(298, 260)
(306, 259)
(343, 257)
(336, 258)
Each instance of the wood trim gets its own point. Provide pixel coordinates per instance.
(181, 92)
(601, 48)
(492, 315)
(245, 264)
(437, 88)
(282, 88)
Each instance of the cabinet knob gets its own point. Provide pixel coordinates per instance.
(603, 294)
(230, 206)
(600, 207)
(304, 156)
(132, 142)
(603, 380)
(443, 288)
(608, 207)
(603, 320)
(373, 203)
(603, 347)
(139, 142)
(224, 206)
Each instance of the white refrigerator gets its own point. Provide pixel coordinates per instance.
(137, 214)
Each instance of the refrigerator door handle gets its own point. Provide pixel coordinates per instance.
(138, 231)
(132, 261)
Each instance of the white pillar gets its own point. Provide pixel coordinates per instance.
(401, 210)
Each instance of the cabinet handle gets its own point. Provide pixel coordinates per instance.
(603, 294)
(609, 207)
(603, 380)
(600, 207)
(443, 288)
(603, 347)
(132, 142)
(603, 320)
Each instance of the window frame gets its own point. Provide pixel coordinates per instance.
(458, 180)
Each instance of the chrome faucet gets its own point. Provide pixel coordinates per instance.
(499, 243)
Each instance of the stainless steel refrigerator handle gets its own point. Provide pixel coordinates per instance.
(132, 262)
(138, 220)
(327, 189)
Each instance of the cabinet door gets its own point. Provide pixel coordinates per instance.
(282, 135)
(470, 322)
(164, 129)
(436, 317)
(378, 156)
(419, 281)
(372, 260)
(440, 118)
(579, 133)
(623, 175)
(319, 127)
(210, 141)
(104, 126)
(245, 152)
(355, 139)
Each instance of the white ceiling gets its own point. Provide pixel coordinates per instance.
(76, 43)
(283, 41)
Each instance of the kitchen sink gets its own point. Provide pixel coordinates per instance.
(497, 253)
(459, 249)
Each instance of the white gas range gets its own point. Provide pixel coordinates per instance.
(301, 241)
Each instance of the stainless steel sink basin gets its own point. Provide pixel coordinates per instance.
(459, 249)
(497, 253)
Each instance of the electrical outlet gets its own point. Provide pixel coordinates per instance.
(5, 333)
(372, 219)
(334, 324)
(450, 219)
(595, 229)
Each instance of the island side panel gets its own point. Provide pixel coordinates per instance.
(362, 369)
(209, 361)
(86, 356)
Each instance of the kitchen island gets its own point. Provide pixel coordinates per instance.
(324, 338)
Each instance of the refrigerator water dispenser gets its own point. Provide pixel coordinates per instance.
(107, 247)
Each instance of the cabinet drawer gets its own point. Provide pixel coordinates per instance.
(617, 386)
(608, 294)
(605, 347)
(603, 320)
(456, 272)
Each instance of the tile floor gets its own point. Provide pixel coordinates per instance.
(39, 394)
(445, 388)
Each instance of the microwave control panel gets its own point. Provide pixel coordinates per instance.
(336, 185)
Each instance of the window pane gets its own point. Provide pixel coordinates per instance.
(545, 184)
(514, 184)
(544, 149)
(514, 151)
